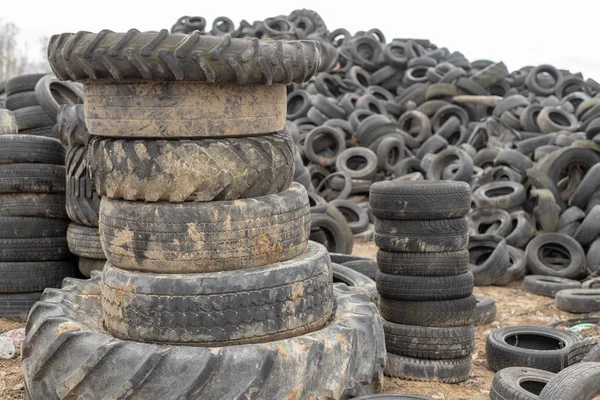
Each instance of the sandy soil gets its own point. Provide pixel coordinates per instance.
(515, 307)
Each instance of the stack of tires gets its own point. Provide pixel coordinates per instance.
(82, 201)
(33, 222)
(423, 278)
(35, 100)
(205, 233)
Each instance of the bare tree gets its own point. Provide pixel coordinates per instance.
(13, 61)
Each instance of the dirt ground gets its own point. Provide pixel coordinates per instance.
(515, 307)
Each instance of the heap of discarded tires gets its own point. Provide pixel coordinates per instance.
(33, 221)
(210, 273)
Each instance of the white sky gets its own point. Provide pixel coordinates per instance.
(565, 34)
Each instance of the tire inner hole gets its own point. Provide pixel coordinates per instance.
(479, 254)
(501, 191)
(534, 342)
(532, 386)
(356, 163)
(393, 156)
(559, 119)
(554, 255)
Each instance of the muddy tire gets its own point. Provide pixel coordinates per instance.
(161, 56)
(71, 127)
(416, 369)
(192, 170)
(263, 371)
(33, 205)
(193, 237)
(84, 241)
(178, 110)
(82, 201)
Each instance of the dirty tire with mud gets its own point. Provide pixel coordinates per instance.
(82, 201)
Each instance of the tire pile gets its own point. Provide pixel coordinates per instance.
(82, 200)
(423, 278)
(205, 234)
(33, 222)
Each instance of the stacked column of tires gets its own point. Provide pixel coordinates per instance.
(423, 278)
(82, 201)
(33, 222)
(205, 233)
(35, 100)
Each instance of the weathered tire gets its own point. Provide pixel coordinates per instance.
(357, 217)
(275, 302)
(352, 278)
(261, 370)
(162, 56)
(416, 369)
(420, 199)
(32, 178)
(205, 237)
(84, 241)
(424, 288)
(87, 265)
(528, 346)
(16, 306)
(427, 342)
(582, 301)
(422, 235)
(580, 350)
(577, 382)
(183, 109)
(485, 310)
(186, 170)
(423, 264)
(82, 201)
(518, 383)
(488, 270)
(24, 277)
(71, 127)
(565, 246)
(446, 313)
(548, 286)
(51, 93)
(22, 83)
(504, 195)
(31, 149)
(32, 117)
(33, 205)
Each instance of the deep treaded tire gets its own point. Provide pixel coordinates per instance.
(417, 369)
(23, 277)
(31, 149)
(164, 56)
(205, 237)
(186, 170)
(71, 127)
(427, 342)
(423, 264)
(518, 383)
(183, 109)
(445, 313)
(84, 356)
(420, 199)
(16, 306)
(424, 288)
(274, 302)
(84, 241)
(423, 236)
(32, 178)
(33, 205)
(577, 382)
(82, 201)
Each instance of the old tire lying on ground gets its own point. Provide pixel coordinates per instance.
(577, 382)
(548, 285)
(485, 310)
(266, 371)
(519, 383)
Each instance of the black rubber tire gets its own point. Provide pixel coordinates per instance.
(590, 227)
(333, 136)
(193, 370)
(31, 149)
(580, 350)
(518, 383)
(47, 131)
(447, 157)
(427, 342)
(517, 268)
(32, 117)
(543, 285)
(16, 306)
(423, 264)
(24, 277)
(434, 235)
(564, 245)
(528, 346)
(21, 100)
(32, 178)
(577, 382)
(82, 201)
(504, 195)
(424, 288)
(420, 199)
(34, 249)
(51, 93)
(512, 158)
(523, 231)
(71, 127)
(593, 355)
(367, 168)
(333, 235)
(191, 170)
(84, 241)
(211, 309)
(485, 310)
(534, 85)
(352, 278)
(33, 205)
(161, 238)
(31, 227)
(580, 301)
(161, 56)
(357, 217)
(416, 369)
(489, 221)
(341, 220)
(87, 265)
(487, 271)
(446, 313)
(587, 187)
(22, 83)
